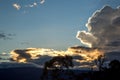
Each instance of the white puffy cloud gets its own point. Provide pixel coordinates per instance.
(103, 29)
(86, 38)
(16, 6)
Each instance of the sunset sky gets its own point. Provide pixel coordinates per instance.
(45, 24)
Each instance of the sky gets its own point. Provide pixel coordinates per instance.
(45, 24)
(34, 31)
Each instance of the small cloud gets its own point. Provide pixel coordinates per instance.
(32, 5)
(5, 36)
(2, 36)
(16, 6)
(35, 4)
(42, 1)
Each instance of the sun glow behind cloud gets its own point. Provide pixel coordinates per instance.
(99, 38)
(88, 54)
(81, 55)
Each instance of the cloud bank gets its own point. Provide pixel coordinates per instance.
(103, 29)
(29, 54)
(82, 56)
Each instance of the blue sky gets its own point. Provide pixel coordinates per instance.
(52, 24)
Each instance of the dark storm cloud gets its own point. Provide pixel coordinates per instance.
(103, 29)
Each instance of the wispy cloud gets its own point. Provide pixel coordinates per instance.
(32, 5)
(42, 1)
(5, 36)
(16, 6)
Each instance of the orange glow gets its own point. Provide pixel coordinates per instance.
(14, 55)
(88, 54)
(34, 53)
(23, 60)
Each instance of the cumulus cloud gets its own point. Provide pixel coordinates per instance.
(16, 6)
(103, 29)
(86, 38)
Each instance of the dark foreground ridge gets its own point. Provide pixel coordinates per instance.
(31, 73)
(27, 73)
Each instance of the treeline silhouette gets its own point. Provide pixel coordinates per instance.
(58, 68)
(110, 73)
(55, 67)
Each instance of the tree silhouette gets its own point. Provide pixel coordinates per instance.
(114, 65)
(99, 62)
(57, 63)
